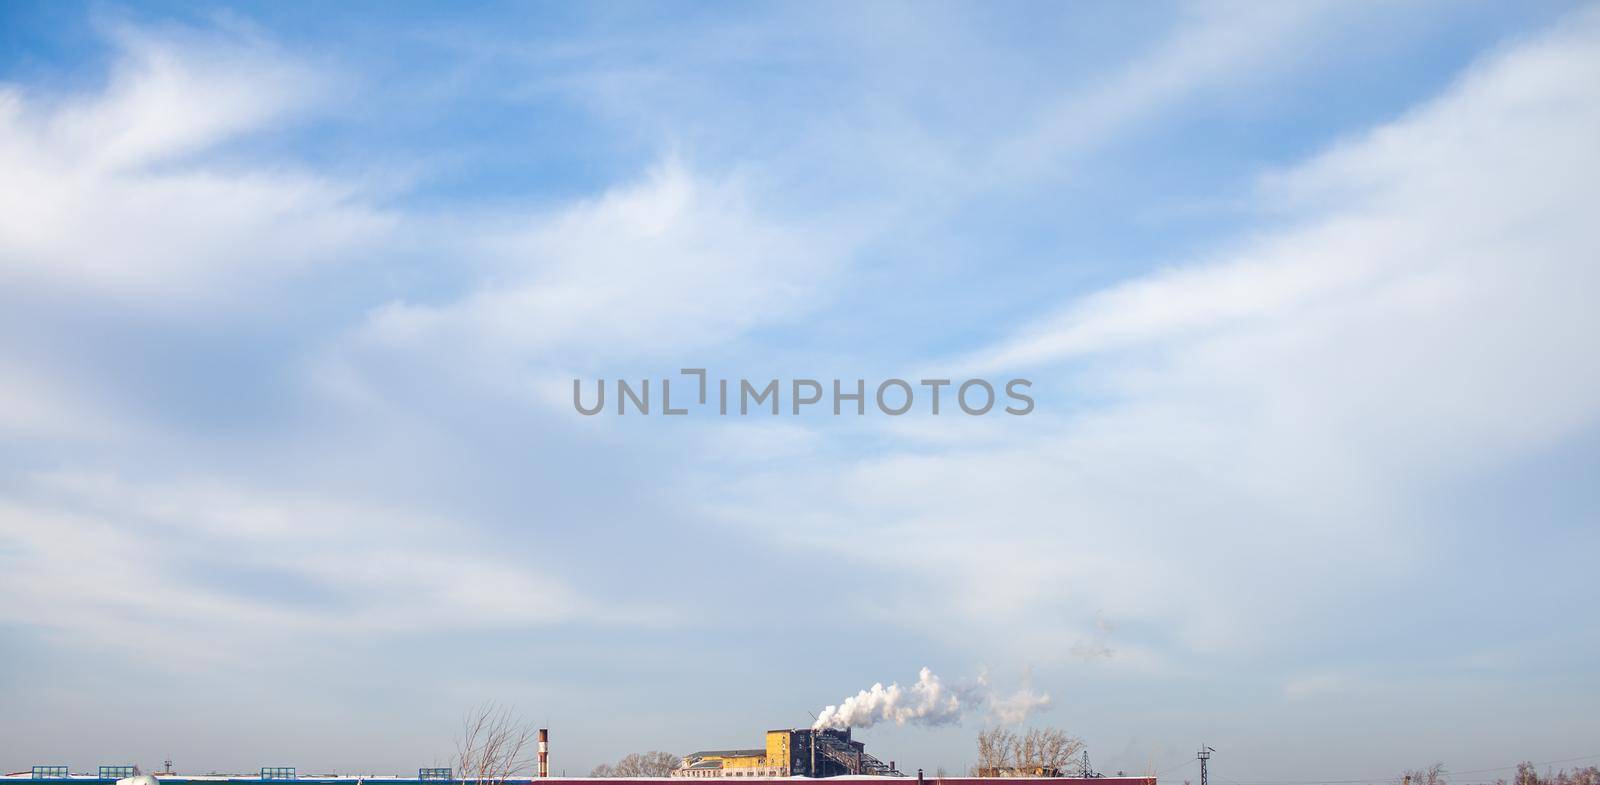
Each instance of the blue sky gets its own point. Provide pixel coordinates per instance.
(291, 300)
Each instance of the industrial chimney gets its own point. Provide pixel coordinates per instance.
(544, 752)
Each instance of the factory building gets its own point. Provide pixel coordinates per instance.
(429, 778)
(798, 752)
(751, 763)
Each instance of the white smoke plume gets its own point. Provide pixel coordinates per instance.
(1096, 646)
(929, 702)
(1012, 709)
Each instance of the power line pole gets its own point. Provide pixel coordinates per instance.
(1204, 755)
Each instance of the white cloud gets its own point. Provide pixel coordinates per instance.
(98, 557)
(675, 261)
(1264, 417)
(674, 265)
(1212, 45)
(1254, 425)
(111, 191)
(132, 192)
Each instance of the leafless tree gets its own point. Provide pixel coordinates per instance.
(1527, 774)
(493, 746)
(654, 763)
(994, 751)
(1588, 775)
(1433, 775)
(1037, 752)
(1048, 750)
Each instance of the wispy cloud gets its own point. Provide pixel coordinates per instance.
(675, 262)
(1265, 417)
(245, 386)
(111, 190)
(103, 559)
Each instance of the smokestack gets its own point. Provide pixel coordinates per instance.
(544, 753)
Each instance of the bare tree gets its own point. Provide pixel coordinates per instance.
(1433, 775)
(1048, 751)
(1528, 775)
(994, 751)
(493, 745)
(654, 763)
(1038, 752)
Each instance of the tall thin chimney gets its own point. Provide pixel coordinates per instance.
(544, 752)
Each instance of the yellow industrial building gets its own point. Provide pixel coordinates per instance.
(789, 752)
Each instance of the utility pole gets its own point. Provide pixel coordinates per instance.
(1204, 755)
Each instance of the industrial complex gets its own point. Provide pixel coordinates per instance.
(800, 752)
(56, 775)
(787, 755)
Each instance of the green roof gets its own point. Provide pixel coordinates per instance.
(755, 753)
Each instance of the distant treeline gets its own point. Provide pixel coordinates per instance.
(1528, 775)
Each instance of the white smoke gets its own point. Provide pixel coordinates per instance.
(1097, 645)
(1012, 709)
(929, 702)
